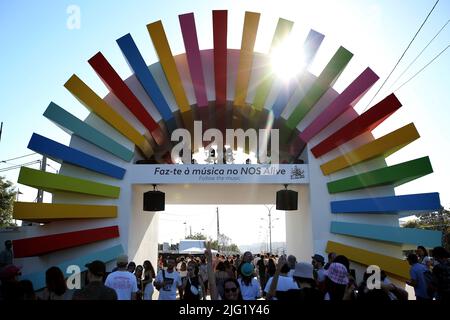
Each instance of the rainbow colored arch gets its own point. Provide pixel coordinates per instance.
(177, 93)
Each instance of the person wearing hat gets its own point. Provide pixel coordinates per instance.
(95, 290)
(122, 281)
(10, 286)
(248, 283)
(318, 263)
(336, 282)
(307, 290)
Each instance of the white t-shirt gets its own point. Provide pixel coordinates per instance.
(284, 284)
(123, 282)
(173, 281)
(250, 292)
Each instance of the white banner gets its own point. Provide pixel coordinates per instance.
(221, 173)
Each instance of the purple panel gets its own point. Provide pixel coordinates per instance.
(187, 23)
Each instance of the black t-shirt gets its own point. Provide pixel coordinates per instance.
(188, 294)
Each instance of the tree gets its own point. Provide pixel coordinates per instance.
(225, 245)
(7, 196)
(197, 236)
(438, 220)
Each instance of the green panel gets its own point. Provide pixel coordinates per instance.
(55, 182)
(393, 175)
(262, 91)
(325, 80)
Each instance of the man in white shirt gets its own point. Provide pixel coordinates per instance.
(122, 281)
(284, 283)
(167, 282)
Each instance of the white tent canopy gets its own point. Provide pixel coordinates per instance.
(196, 250)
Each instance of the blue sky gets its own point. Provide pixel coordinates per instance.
(39, 53)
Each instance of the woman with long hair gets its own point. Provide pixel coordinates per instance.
(147, 283)
(193, 284)
(231, 290)
(138, 274)
(56, 285)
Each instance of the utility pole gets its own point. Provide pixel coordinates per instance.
(1, 130)
(218, 230)
(190, 231)
(270, 227)
(40, 195)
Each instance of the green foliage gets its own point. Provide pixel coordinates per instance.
(7, 196)
(439, 220)
(197, 236)
(225, 245)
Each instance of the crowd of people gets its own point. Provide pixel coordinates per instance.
(235, 277)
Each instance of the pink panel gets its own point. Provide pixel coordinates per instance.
(347, 99)
(187, 23)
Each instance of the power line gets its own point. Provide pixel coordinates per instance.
(27, 155)
(423, 68)
(20, 165)
(401, 57)
(415, 59)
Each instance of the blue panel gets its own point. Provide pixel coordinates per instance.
(143, 74)
(107, 255)
(426, 238)
(310, 48)
(393, 204)
(60, 152)
(74, 125)
(283, 97)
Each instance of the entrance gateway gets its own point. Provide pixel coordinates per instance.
(347, 202)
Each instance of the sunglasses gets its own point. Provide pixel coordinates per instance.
(228, 290)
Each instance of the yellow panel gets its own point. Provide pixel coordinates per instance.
(384, 146)
(44, 212)
(396, 267)
(94, 103)
(159, 39)
(246, 57)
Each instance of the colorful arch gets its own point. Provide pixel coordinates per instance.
(224, 88)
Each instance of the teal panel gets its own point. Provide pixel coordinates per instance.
(79, 128)
(426, 238)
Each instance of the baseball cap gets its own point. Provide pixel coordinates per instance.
(97, 268)
(122, 259)
(303, 270)
(337, 273)
(318, 258)
(10, 271)
(247, 269)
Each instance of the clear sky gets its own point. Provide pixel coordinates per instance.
(39, 53)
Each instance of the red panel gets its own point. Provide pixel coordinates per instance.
(363, 123)
(37, 246)
(119, 88)
(220, 18)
